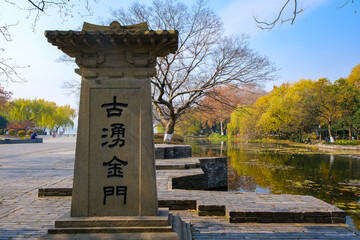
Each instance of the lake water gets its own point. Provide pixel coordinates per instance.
(281, 168)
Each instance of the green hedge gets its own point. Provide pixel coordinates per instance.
(344, 142)
(39, 131)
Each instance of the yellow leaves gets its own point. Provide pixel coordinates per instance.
(298, 107)
(40, 112)
(354, 77)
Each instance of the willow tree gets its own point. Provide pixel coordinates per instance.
(206, 57)
(40, 113)
(63, 117)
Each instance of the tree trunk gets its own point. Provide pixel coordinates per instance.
(169, 130)
(221, 128)
(221, 148)
(350, 136)
(330, 134)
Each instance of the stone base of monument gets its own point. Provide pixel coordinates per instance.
(162, 226)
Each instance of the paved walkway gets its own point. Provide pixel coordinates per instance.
(24, 168)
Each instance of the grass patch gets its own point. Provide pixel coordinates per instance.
(176, 139)
(217, 136)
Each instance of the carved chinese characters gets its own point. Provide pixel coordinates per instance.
(114, 155)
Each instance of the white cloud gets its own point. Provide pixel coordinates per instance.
(239, 15)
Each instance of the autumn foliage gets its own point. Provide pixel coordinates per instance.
(303, 109)
(217, 105)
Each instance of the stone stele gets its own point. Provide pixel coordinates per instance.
(114, 171)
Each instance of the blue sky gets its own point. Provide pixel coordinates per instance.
(323, 42)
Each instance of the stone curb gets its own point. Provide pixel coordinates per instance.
(16, 141)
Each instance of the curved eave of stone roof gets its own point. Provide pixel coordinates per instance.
(162, 42)
(158, 33)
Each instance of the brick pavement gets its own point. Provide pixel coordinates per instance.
(23, 169)
(26, 167)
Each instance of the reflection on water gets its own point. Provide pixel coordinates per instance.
(278, 168)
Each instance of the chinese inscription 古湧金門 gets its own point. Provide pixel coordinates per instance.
(117, 139)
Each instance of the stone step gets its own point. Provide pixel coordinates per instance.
(179, 163)
(162, 219)
(238, 210)
(263, 216)
(168, 151)
(88, 230)
(210, 210)
(114, 236)
(162, 226)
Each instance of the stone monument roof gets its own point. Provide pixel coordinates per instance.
(159, 33)
(114, 36)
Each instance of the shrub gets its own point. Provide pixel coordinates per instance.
(158, 138)
(177, 138)
(29, 132)
(1, 131)
(21, 133)
(39, 131)
(347, 142)
(12, 132)
(217, 136)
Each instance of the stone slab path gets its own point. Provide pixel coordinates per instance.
(246, 207)
(24, 168)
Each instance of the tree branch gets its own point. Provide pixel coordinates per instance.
(264, 25)
(270, 25)
(38, 7)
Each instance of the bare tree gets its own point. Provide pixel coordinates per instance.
(217, 104)
(34, 9)
(282, 18)
(205, 59)
(9, 69)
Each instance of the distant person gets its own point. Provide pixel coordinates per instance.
(33, 135)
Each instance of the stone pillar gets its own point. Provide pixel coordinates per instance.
(114, 164)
